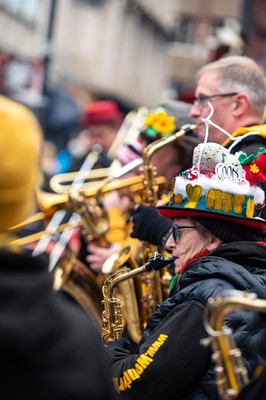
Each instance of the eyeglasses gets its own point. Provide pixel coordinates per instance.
(176, 231)
(200, 100)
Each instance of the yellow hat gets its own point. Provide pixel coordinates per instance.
(20, 145)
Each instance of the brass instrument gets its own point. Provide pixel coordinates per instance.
(60, 183)
(112, 318)
(230, 373)
(94, 226)
(154, 284)
(50, 203)
(71, 276)
(129, 130)
(150, 196)
(127, 293)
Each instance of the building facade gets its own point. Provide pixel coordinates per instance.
(137, 51)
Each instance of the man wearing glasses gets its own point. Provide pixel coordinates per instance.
(236, 88)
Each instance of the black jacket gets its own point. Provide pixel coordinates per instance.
(170, 357)
(50, 349)
(256, 389)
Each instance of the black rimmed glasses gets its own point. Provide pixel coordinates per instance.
(201, 99)
(176, 231)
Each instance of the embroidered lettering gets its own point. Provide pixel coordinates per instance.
(133, 374)
(177, 198)
(138, 368)
(127, 380)
(193, 194)
(250, 208)
(214, 199)
(143, 361)
(238, 201)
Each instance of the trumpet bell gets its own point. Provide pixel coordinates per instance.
(50, 203)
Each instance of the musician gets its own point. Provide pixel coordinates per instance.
(218, 245)
(236, 88)
(99, 124)
(49, 348)
(161, 122)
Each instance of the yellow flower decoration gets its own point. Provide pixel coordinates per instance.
(254, 168)
(160, 123)
(150, 119)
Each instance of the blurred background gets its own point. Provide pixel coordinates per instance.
(56, 56)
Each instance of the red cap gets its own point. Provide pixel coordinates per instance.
(100, 112)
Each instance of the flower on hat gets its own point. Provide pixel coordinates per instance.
(160, 123)
(254, 166)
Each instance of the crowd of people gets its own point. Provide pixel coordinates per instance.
(196, 195)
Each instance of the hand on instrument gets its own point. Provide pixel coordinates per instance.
(98, 255)
(114, 200)
(149, 225)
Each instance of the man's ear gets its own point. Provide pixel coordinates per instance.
(213, 243)
(240, 104)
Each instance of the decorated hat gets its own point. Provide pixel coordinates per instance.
(20, 146)
(219, 185)
(162, 121)
(99, 112)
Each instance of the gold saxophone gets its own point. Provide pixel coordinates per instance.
(76, 279)
(71, 275)
(112, 318)
(154, 285)
(230, 373)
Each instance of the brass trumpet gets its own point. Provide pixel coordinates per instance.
(129, 130)
(60, 183)
(91, 181)
(50, 203)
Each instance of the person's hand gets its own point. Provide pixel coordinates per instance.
(148, 225)
(98, 255)
(113, 200)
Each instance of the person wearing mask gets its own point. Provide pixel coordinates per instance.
(236, 88)
(218, 245)
(49, 347)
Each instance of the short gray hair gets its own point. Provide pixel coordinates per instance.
(240, 74)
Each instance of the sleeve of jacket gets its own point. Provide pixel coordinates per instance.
(171, 359)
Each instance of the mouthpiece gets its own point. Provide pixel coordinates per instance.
(157, 261)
